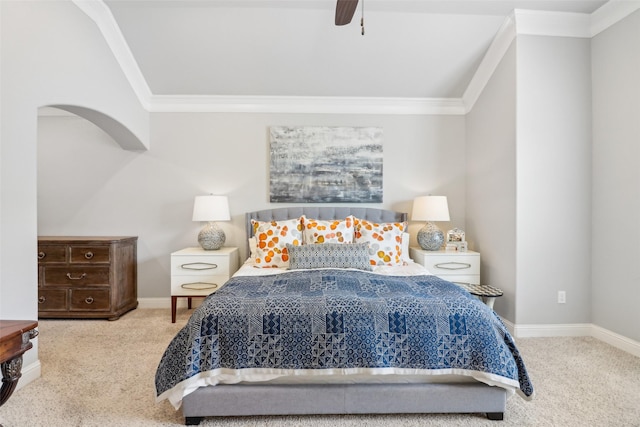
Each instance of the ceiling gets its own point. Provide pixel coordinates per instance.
(411, 49)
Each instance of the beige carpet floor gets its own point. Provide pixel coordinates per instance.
(100, 373)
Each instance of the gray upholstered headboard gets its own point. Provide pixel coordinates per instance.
(324, 213)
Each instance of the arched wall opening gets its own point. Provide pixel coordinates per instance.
(120, 133)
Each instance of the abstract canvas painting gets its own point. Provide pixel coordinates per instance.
(319, 164)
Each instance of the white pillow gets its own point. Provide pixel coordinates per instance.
(332, 231)
(385, 241)
(406, 257)
(253, 246)
(271, 241)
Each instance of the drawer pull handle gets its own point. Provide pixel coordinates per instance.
(88, 300)
(41, 255)
(82, 276)
(199, 286)
(41, 299)
(453, 265)
(88, 255)
(199, 266)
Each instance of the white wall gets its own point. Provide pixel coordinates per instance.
(616, 178)
(529, 180)
(110, 191)
(553, 164)
(51, 54)
(491, 182)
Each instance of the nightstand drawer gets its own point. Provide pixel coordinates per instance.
(196, 285)
(461, 267)
(196, 272)
(473, 279)
(461, 264)
(199, 266)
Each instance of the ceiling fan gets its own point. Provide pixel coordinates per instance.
(345, 10)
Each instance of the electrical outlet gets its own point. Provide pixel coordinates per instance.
(562, 297)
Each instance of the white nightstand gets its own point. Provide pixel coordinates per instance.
(196, 272)
(461, 268)
(457, 267)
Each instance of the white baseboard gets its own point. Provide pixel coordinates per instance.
(575, 330)
(510, 327)
(166, 302)
(154, 302)
(616, 340)
(560, 330)
(30, 373)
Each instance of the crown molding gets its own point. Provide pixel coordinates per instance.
(497, 49)
(306, 105)
(610, 13)
(521, 22)
(555, 24)
(100, 13)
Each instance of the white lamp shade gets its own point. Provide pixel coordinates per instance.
(430, 208)
(211, 208)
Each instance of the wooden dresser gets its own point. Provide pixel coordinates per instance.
(87, 277)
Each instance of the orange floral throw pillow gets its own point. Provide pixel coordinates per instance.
(385, 241)
(271, 241)
(335, 231)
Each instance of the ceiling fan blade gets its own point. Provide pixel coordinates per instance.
(345, 10)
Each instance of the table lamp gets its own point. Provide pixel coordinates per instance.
(211, 208)
(430, 208)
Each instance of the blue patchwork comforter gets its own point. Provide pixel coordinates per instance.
(339, 321)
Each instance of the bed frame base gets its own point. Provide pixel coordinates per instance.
(248, 400)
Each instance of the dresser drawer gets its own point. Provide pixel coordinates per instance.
(200, 266)
(52, 253)
(52, 300)
(89, 254)
(75, 276)
(196, 285)
(90, 299)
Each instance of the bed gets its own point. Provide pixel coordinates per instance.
(329, 328)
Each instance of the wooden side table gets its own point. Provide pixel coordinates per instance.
(15, 336)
